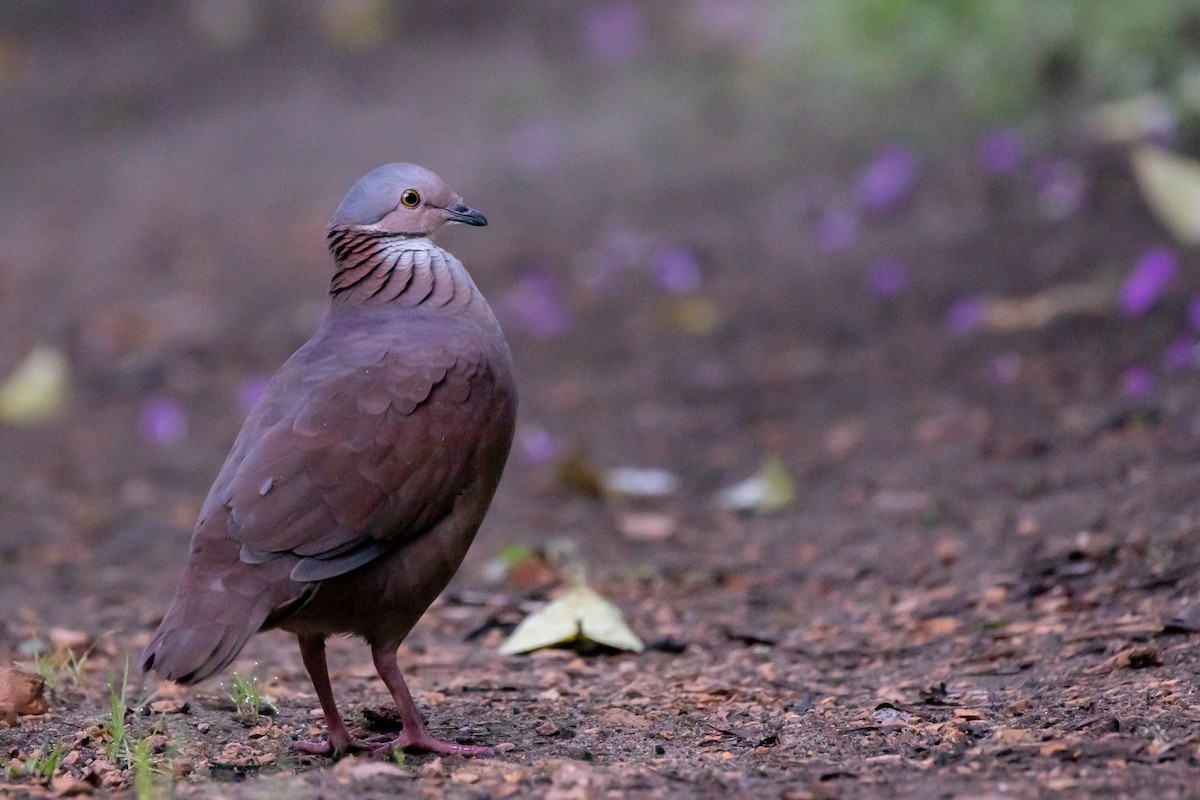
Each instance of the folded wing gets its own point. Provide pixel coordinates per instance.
(370, 448)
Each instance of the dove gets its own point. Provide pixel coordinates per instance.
(359, 479)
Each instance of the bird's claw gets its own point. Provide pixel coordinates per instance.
(334, 749)
(422, 742)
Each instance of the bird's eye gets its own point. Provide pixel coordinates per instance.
(410, 198)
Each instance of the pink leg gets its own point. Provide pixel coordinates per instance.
(414, 736)
(312, 652)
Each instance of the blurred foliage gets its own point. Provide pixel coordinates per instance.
(999, 56)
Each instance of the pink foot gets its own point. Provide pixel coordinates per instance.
(338, 746)
(422, 742)
(384, 746)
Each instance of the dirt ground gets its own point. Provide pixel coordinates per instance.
(985, 586)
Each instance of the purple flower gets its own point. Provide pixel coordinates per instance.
(1001, 151)
(676, 270)
(535, 146)
(1138, 382)
(613, 32)
(1147, 281)
(539, 446)
(249, 390)
(162, 421)
(965, 315)
(535, 305)
(1180, 352)
(886, 278)
(837, 230)
(1060, 187)
(888, 178)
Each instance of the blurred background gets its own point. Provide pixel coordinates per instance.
(870, 243)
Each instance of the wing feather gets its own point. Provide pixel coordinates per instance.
(355, 449)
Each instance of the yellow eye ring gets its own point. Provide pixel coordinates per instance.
(410, 198)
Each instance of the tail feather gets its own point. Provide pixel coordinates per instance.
(190, 646)
(220, 603)
(198, 651)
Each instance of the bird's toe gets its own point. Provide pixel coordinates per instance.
(422, 742)
(338, 746)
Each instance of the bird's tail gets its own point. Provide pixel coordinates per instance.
(219, 605)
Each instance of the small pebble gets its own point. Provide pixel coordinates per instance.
(547, 728)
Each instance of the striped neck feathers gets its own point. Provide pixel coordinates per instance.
(407, 271)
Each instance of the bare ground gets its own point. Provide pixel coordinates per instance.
(984, 588)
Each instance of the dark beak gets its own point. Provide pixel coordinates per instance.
(457, 212)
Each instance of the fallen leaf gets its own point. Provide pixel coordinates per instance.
(640, 482)
(521, 567)
(358, 26)
(1138, 657)
(579, 615)
(76, 642)
(577, 472)
(1052, 748)
(168, 707)
(22, 692)
(36, 390)
(940, 626)
(1171, 185)
(1039, 310)
(1129, 119)
(68, 786)
(645, 526)
(1010, 737)
(532, 572)
(693, 315)
(771, 490)
(512, 554)
(359, 769)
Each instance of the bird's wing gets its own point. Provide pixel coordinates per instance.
(358, 450)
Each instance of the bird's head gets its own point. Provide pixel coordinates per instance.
(401, 200)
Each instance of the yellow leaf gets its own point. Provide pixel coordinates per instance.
(359, 24)
(696, 316)
(771, 490)
(37, 389)
(1171, 186)
(1040, 309)
(1129, 119)
(579, 615)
